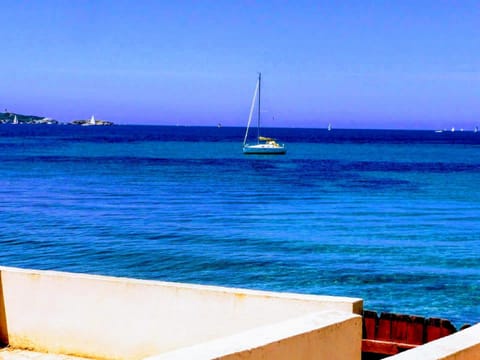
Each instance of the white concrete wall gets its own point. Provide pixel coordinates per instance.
(323, 335)
(116, 318)
(463, 345)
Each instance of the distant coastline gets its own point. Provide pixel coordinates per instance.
(12, 118)
(20, 119)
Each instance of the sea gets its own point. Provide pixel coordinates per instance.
(389, 216)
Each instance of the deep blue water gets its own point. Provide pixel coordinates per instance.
(388, 216)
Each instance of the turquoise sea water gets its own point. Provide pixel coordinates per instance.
(388, 216)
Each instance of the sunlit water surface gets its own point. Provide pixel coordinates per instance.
(388, 216)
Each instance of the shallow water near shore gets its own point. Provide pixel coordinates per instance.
(388, 216)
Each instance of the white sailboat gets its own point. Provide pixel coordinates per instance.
(264, 145)
(15, 120)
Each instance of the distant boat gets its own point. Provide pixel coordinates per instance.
(329, 128)
(15, 120)
(476, 129)
(264, 145)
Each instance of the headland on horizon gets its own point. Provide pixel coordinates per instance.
(20, 119)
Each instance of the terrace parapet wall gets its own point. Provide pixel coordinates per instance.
(116, 318)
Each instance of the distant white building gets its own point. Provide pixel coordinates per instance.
(91, 122)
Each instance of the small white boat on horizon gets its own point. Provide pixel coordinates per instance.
(264, 145)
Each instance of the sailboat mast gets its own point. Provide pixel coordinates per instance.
(258, 123)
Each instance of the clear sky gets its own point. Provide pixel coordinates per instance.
(356, 64)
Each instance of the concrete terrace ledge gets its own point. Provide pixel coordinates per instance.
(100, 317)
(463, 345)
(308, 337)
(49, 315)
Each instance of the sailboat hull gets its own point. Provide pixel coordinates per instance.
(264, 149)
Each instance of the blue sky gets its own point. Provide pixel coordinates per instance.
(356, 64)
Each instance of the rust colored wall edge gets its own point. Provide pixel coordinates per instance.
(389, 333)
(3, 318)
